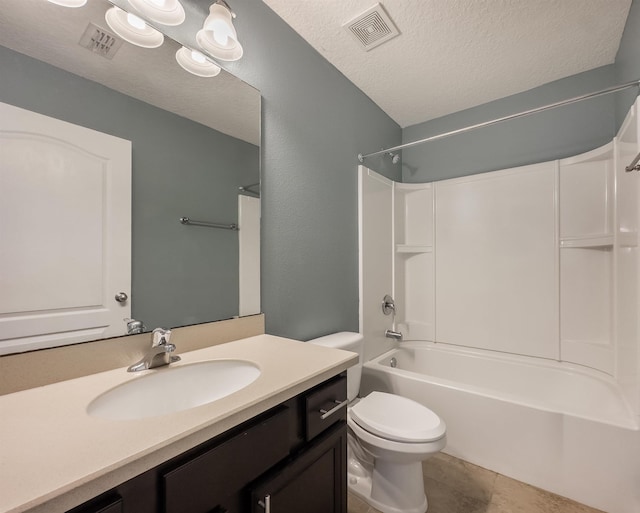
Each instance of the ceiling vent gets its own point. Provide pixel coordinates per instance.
(99, 41)
(372, 28)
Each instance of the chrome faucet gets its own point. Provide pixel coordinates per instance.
(396, 335)
(159, 354)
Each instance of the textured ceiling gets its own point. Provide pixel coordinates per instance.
(455, 54)
(50, 33)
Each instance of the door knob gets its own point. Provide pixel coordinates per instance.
(121, 297)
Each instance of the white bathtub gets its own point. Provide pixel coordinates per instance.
(557, 426)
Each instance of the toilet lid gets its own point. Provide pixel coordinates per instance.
(397, 418)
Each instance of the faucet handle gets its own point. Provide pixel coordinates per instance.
(134, 326)
(160, 337)
(388, 305)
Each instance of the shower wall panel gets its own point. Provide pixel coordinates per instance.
(375, 214)
(496, 255)
(626, 327)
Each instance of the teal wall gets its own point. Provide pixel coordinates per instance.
(554, 134)
(180, 275)
(628, 61)
(315, 122)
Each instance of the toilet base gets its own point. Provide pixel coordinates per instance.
(360, 486)
(388, 487)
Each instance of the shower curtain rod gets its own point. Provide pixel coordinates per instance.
(576, 99)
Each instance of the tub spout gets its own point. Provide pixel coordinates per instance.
(396, 335)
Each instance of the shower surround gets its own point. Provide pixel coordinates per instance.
(527, 279)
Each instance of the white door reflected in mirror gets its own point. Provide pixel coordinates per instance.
(65, 232)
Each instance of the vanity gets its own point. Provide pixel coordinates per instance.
(276, 445)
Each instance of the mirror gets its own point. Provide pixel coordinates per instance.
(194, 145)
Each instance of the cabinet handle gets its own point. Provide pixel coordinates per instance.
(339, 404)
(266, 504)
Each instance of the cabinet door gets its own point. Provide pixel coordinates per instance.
(137, 495)
(314, 482)
(206, 483)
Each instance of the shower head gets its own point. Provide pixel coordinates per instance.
(395, 157)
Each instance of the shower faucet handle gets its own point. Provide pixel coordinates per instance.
(388, 305)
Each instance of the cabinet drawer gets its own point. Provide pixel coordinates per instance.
(201, 484)
(325, 406)
(109, 504)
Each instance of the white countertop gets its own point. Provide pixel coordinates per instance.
(53, 456)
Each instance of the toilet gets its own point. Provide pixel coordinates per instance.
(389, 437)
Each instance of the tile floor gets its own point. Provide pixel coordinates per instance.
(455, 486)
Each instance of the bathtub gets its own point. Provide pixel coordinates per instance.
(561, 427)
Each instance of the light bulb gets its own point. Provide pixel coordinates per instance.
(196, 63)
(133, 29)
(198, 57)
(220, 26)
(222, 38)
(220, 23)
(218, 35)
(136, 22)
(69, 3)
(166, 12)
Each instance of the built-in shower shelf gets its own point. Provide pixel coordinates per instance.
(587, 241)
(413, 249)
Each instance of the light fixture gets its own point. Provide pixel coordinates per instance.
(194, 62)
(133, 29)
(166, 12)
(69, 3)
(218, 35)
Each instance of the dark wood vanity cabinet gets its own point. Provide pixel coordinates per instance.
(314, 482)
(286, 460)
(216, 477)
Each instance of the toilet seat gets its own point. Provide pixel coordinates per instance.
(398, 448)
(397, 419)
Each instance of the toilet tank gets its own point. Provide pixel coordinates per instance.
(348, 341)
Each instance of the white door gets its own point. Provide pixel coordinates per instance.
(65, 232)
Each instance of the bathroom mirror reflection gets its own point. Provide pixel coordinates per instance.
(194, 145)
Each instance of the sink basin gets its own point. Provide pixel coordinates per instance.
(172, 389)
